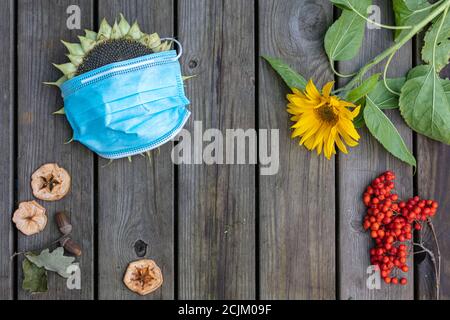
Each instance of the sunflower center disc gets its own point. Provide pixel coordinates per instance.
(112, 51)
(326, 113)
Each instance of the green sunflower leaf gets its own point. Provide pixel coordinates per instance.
(382, 97)
(409, 13)
(359, 5)
(344, 38)
(425, 103)
(385, 132)
(367, 86)
(440, 39)
(290, 77)
(34, 278)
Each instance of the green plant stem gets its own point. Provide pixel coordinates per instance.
(376, 23)
(385, 74)
(416, 29)
(340, 74)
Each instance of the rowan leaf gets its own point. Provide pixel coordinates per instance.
(52, 261)
(34, 278)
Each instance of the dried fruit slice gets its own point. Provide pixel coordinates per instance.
(30, 218)
(143, 277)
(50, 182)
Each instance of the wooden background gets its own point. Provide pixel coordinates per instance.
(218, 232)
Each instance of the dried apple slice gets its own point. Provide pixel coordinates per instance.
(30, 218)
(50, 182)
(143, 277)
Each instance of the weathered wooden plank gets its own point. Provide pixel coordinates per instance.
(217, 203)
(359, 167)
(433, 179)
(297, 206)
(135, 200)
(41, 136)
(7, 142)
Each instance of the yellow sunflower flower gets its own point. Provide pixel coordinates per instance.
(322, 120)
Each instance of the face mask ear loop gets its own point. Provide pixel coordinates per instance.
(180, 47)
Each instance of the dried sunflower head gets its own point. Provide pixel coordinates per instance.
(110, 44)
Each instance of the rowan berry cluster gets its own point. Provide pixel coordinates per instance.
(391, 223)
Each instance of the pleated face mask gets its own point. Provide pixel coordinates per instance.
(129, 107)
(123, 90)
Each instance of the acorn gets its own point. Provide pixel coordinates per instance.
(71, 246)
(63, 222)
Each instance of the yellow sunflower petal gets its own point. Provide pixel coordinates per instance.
(346, 104)
(310, 133)
(349, 128)
(320, 135)
(311, 91)
(309, 143)
(296, 91)
(340, 144)
(348, 140)
(319, 148)
(329, 143)
(355, 112)
(326, 90)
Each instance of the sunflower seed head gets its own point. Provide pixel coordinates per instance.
(124, 26)
(151, 40)
(104, 33)
(58, 82)
(91, 35)
(76, 60)
(185, 78)
(87, 44)
(66, 68)
(135, 32)
(116, 33)
(74, 48)
(163, 46)
(60, 112)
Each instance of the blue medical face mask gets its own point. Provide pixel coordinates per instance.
(129, 107)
